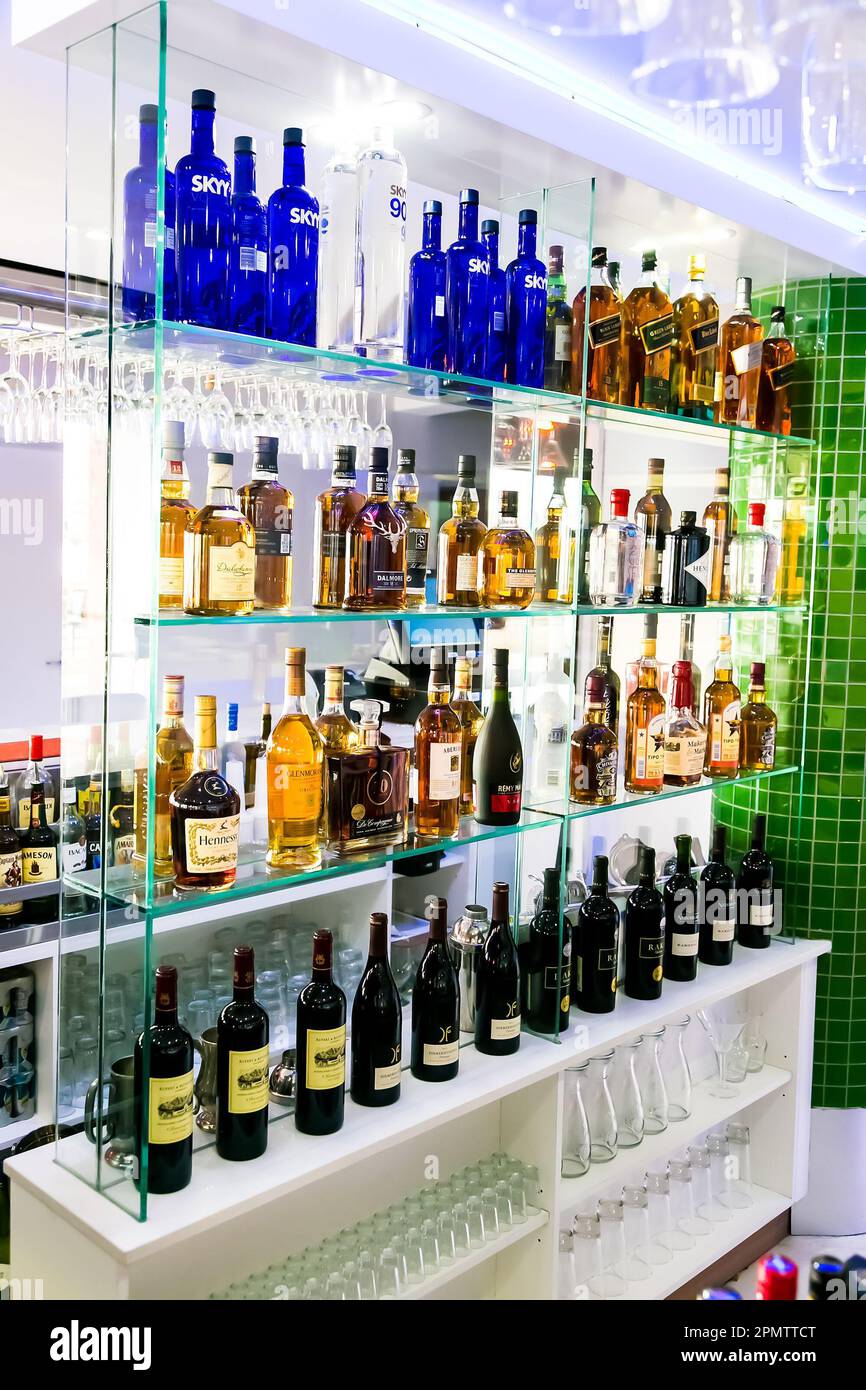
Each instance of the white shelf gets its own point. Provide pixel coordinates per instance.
(535, 1221)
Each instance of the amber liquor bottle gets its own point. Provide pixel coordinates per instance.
(773, 411)
(417, 519)
(506, 569)
(438, 754)
(471, 719)
(220, 554)
(645, 728)
(268, 506)
(694, 348)
(335, 511)
(376, 541)
(335, 728)
(739, 365)
(554, 548)
(175, 513)
(460, 539)
(39, 858)
(594, 751)
(205, 814)
(173, 759)
(655, 509)
(604, 670)
(295, 776)
(758, 726)
(603, 333)
(722, 716)
(647, 334)
(720, 520)
(685, 738)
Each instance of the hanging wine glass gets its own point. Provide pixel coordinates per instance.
(382, 437)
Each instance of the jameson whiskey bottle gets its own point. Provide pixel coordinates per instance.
(175, 513)
(417, 521)
(471, 720)
(376, 541)
(173, 756)
(720, 520)
(39, 857)
(740, 356)
(645, 728)
(335, 511)
(438, 750)
(460, 539)
(647, 334)
(722, 716)
(693, 351)
(655, 509)
(498, 764)
(205, 814)
(603, 334)
(758, 725)
(594, 751)
(295, 777)
(773, 411)
(220, 553)
(268, 507)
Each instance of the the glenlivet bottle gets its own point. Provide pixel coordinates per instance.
(497, 986)
(595, 949)
(755, 908)
(321, 1065)
(377, 1025)
(436, 1004)
(644, 932)
(681, 916)
(546, 964)
(169, 1092)
(717, 908)
(242, 1067)
(497, 767)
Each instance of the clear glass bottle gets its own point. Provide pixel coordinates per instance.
(506, 565)
(460, 539)
(603, 332)
(685, 737)
(175, 513)
(295, 776)
(599, 1108)
(549, 719)
(417, 519)
(576, 1140)
(722, 716)
(471, 720)
(693, 354)
(758, 725)
(335, 303)
(740, 354)
(594, 752)
(438, 750)
(645, 728)
(778, 368)
(655, 509)
(720, 520)
(233, 754)
(754, 560)
(220, 550)
(654, 1096)
(647, 334)
(616, 556)
(625, 1094)
(381, 248)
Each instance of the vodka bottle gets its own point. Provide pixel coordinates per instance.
(248, 258)
(497, 339)
(204, 222)
(467, 293)
(550, 721)
(336, 293)
(380, 267)
(615, 556)
(139, 230)
(754, 560)
(426, 337)
(293, 249)
(526, 284)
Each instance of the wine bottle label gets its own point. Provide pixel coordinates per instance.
(657, 334)
(684, 943)
(684, 754)
(386, 1078)
(295, 791)
(780, 377)
(444, 771)
(649, 751)
(725, 735)
(211, 845)
(170, 576)
(39, 864)
(121, 849)
(562, 342)
(651, 947)
(605, 331)
(761, 914)
(231, 572)
(274, 540)
(704, 336)
(503, 1028)
(723, 929)
(441, 1054)
(170, 1110)
(747, 357)
(10, 870)
(467, 573)
(607, 959)
(248, 1081)
(326, 1058)
(24, 811)
(417, 543)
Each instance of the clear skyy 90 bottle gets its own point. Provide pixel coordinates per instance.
(427, 332)
(139, 229)
(526, 283)
(248, 257)
(293, 249)
(467, 293)
(335, 309)
(497, 341)
(204, 223)
(380, 264)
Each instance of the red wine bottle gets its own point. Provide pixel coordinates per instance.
(321, 1075)
(497, 986)
(755, 910)
(377, 1025)
(436, 1004)
(169, 1093)
(644, 932)
(497, 765)
(595, 951)
(681, 916)
(716, 906)
(547, 972)
(242, 1067)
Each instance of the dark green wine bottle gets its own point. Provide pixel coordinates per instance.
(595, 947)
(547, 973)
(169, 1093)
(681, 916)
(755, 907)
(242, 1067)
(644, 932)
(497, 767)
(716, 905)
(497, 986)
(436, 1004)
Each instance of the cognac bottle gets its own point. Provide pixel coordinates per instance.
(205, 815)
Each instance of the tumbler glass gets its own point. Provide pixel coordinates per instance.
(584, 1265)
(683, 1199)
(663, 1229)
(739, 1193)
(625, 1094)
(705, 1203)
(614, 1244)
(638, 1241)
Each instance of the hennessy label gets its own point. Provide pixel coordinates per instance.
(212, 845)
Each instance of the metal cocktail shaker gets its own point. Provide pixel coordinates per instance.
(467, 942)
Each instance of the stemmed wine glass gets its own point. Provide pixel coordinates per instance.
(382, 436)
(723, 1022)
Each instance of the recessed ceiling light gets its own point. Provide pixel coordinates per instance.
(403, 111)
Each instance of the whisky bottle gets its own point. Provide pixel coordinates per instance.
(644, 933)
(720, 519)
(506, 566)
(693, 351)
(335, 728)
(173, 765)
(557, 328)
(603, 334)
(205, 813)
(758, 726)
(685, 738)
(655, 510)
(687, 654)
(367, 788)
(716, 905)
(594, 751)
(460, 540)
(417, 520)
(554, 548)
(680, 896)
(645, 728)
(268, 507)
(175, 513)
(739, 364)
(376, 543)
(722, 716)
(754, 560)
(295, 777)
(603, 670)
(10, 857)
(778, 368)
(647, 334)
(220, 557)
(438, 752)
(596, 945)
(335, 511)
(39, 858)
(755, 898)
(471, 719)
(498, 765)
(590, 517)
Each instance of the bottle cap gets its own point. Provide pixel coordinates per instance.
(595, 690)
(646, 862)
(469, 195)
(379, 459)
(406, 461)
(744, 287)
(777, 1279)
(245, 144)
(323, 945)
(36, 748)
(655, 468)
(756, 513)
(173, 434)
(697, 265)
(554, 260)
(777, 313)
(508, 503)
(719, 1295)
(265, 446)
(148, 114)
(220, 460)
(600, 872)
(165, 994)
(296, 656)
(500, 660)
(432, 205)
(203, 100)
(688, 519)
(233, 717)
(599, 255)
(466, 467)
(823, 1268)
(527, 217)
(758, 672)
(619, 501)
(500, 902)
(648, 260)
(648, 646)
(490, 227)
(684, 845)
(344, 458)
(725, 642)
(293, 135)
(559, 477)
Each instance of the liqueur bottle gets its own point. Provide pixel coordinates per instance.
(242, 1067)
(219, 557)
(336, 730)
(546, 963)
(590, 508)
(204, 223)
(248, 256)
(716, 901)
(497, 338)
(526, 306)
(467, 288)
(557, 328)
(417, 520)
(377, 1025)
(594, 751)
(436, 1003)
(681, 916)
(268, 507)
(603, 670)
(754, 560)
(778, 369)
(685, 737)
(497, 985)
(497, 768)
(687, 569)
(758, 726)
(616, 556)
(169, 1092)
(335, 511)
(720, 520)
(121, 822)
(644, 932)
(335, 291)
(645, 342)
(175, 513)
(693, 351)
(295, 777)
(376, 542)
(173, 757)
(755, 897)
(93, 823)
(39, 858)
(645, 728)
(205, 815)
(722, 716)
(367, 789)
(460, 539)
(10, 856)
(293, 250)
(438, 747)
(320, 1085)
(471, 720)
(603, 334)
(687, 655)
(380, 259)
(739, 368)
(427, 329)
(554, 548)
(656, 512)
(138, 294)
(506, 566)
(595, 949)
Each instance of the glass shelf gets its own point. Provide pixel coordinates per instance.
(684, 425)
(572, 810)
(588, 610)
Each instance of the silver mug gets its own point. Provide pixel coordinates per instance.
(118, 1116)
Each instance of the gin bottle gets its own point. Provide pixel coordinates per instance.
(616, 556)
(754, 560)
(467, 291)
(204, 223)
(335, 310)
(293, 249)
(248, 257)
(139, 230)
(380, 265)
(427, 327)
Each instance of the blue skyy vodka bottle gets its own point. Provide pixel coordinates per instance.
(139, 230)
(381, 248)
(427, 336)
(466, 293)
(248, 257)
(526, 281)
(204, 223)
(293, 250)
(497, 341)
